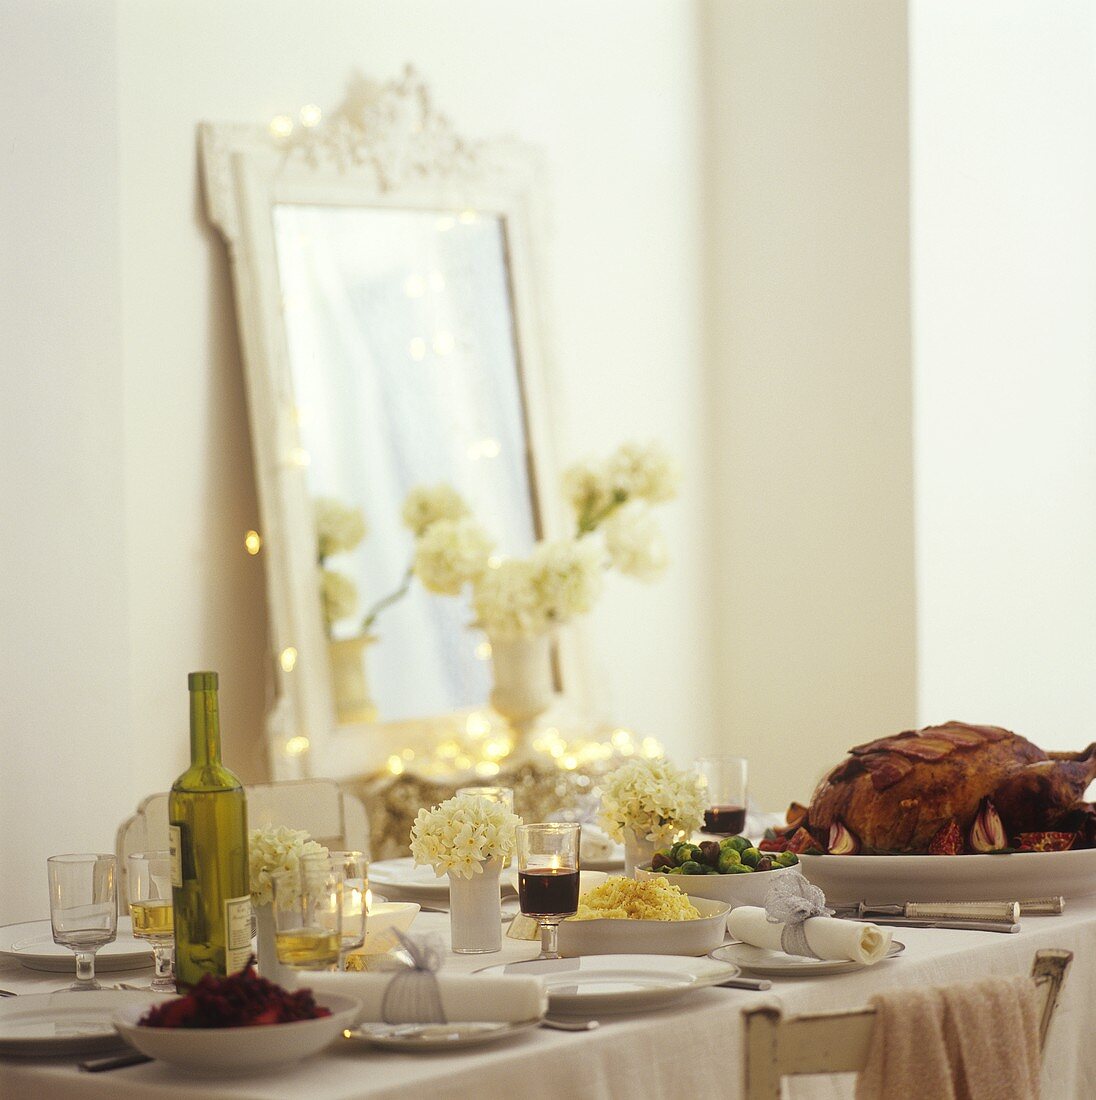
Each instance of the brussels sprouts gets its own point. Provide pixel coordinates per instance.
(738, 843)
(729, 858)
(750, 856)
(739, 869)
(673, 870)
(786, 859)
(686, 853)
(691, 867)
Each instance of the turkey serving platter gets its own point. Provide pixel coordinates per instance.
(1006, 876)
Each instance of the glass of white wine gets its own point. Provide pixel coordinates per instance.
(148, 884)
(355, 895)
(83, 908)
(307, 911)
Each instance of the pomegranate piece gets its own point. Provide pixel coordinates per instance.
(1046, 842)
(796, 815)
(948, 841)
(773, 844)
(802, 843)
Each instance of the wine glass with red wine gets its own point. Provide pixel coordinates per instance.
(548, 877)
(723, 779)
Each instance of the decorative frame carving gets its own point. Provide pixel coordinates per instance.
(385, 145)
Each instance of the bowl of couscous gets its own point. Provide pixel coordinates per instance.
(624, 917)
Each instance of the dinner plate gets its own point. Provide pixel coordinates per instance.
(436, 1037)
(48, 1024)
(619, 983)
(776, 964)
(31, 944)
(417, 883)
(1007, 876)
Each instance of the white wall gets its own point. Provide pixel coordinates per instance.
(1004, 273)
(127, 482)
(809, 291)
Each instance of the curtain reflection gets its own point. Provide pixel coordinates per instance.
(404, 372)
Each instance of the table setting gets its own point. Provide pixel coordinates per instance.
(513, 949)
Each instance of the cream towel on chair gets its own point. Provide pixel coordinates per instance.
(974, 1041)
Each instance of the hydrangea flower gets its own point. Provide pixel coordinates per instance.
(339, 527)
(651, 798)
(273, 849)
(426, 504)
(450, 554)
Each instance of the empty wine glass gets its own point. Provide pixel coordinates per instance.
(83, 908)
(307, 910)
(355, 896)
(548, 877)
(148, 884)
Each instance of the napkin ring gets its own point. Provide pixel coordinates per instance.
(792, 901)
(413, 996)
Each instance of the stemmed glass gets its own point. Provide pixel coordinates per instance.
(148, 884)
(307, 908)
(548, 877)
(83, 908)
(354, 868)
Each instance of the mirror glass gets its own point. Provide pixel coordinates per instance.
(405, 372)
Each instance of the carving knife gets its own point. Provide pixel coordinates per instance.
(1008, 911)
(962, 924)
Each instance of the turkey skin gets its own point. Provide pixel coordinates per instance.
(896, 793)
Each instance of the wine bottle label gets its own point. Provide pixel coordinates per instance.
(237, 933)
(175, 847)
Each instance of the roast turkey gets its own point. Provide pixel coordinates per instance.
(896, 793)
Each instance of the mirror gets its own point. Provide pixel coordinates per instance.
(386, 275)
(400, 335)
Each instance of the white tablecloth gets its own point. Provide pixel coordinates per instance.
(693, 1049)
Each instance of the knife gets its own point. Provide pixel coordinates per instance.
(1006, 911)
(961, 925)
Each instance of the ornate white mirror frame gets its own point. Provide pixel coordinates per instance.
(385, 147)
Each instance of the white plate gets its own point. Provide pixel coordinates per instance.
(776, 964)
(31, 944)
(647, 937)
(619, 983)
(436, 1037)
(48, 1024)
(238, 1050)
(1007, 877)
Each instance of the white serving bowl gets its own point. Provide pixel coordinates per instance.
(735, 890)
(238, 1050)
(647, 937)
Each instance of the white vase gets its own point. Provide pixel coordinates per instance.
(349, 680)
(637, 849)
(523, 682)
(475, 911)
(266, 946)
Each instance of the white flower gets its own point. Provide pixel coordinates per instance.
(634, 541)
(459, 835)
(339, 527)
(426, 504)
(588, 487)
(652, 798)
(273, 849)
(451, 553)
(339, 595)
(507, 601)
(569, 575)
(647, 472)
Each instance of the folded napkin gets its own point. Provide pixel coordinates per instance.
(974, 1041)
(827, 937)
(500, 998)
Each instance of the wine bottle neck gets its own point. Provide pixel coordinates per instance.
(205, 728)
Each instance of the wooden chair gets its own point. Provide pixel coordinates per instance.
(838, 1042)
(333, 816)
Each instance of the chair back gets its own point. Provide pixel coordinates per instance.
(838, 1042)
(332, 816)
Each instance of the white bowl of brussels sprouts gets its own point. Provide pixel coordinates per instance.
(731, 870)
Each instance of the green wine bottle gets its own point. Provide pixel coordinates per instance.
(207, 828)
